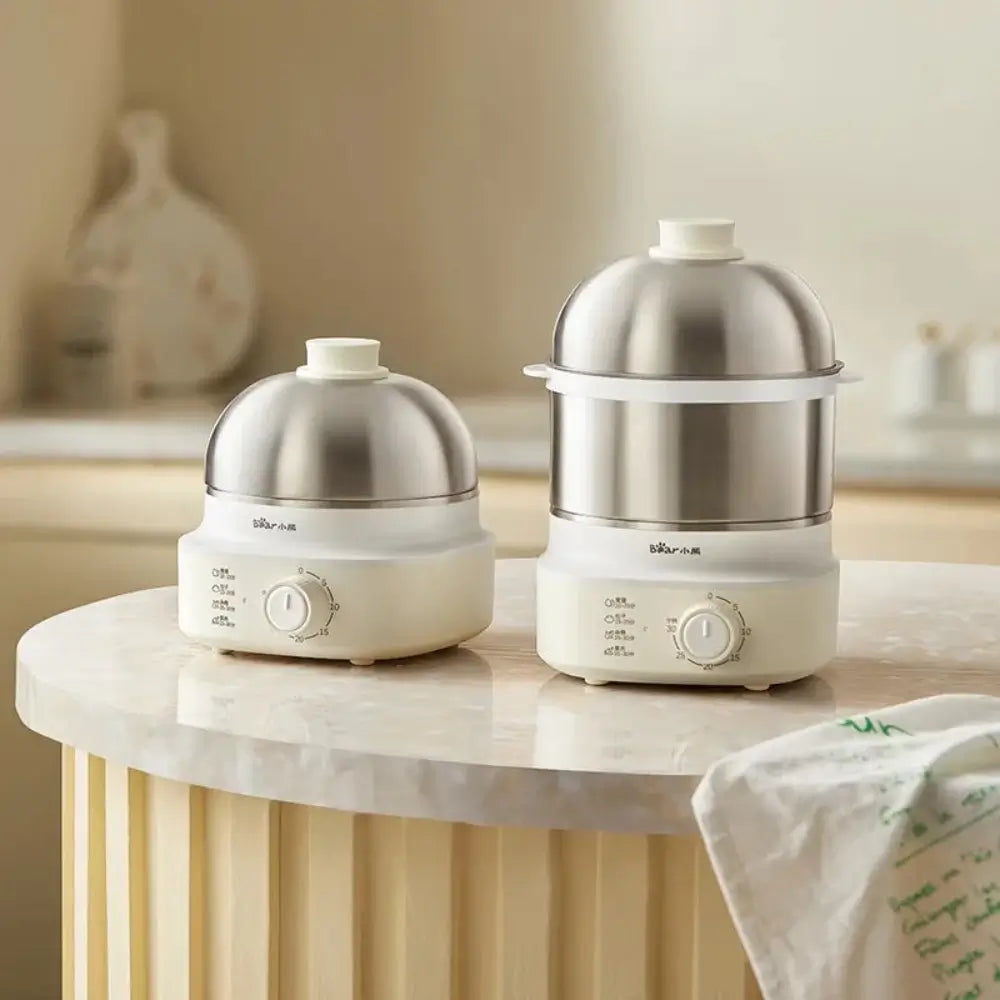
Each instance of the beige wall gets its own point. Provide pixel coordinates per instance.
(60, 77)
(59, 83)
(439, 173)
(419, 171)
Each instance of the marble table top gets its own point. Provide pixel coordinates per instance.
(485, 733)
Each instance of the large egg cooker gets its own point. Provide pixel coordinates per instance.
(692, 436)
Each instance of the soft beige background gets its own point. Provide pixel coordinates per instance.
(418, 171)
(439, 173)
(59, 82)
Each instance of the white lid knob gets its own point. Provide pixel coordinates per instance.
(696, 239)
(342, 358)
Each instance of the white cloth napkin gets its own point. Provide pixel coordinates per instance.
(860, 858)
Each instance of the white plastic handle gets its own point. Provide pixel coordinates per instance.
(650, 390)
(696, 239)
(348, 359)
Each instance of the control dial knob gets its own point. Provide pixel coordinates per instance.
(300, 604)
(708, 633)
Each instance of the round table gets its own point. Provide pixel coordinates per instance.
(467, 824)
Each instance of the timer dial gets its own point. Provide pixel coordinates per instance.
(301, 605)
(708, 634)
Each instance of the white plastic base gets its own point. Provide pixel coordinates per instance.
(396, 581)
(610, 599)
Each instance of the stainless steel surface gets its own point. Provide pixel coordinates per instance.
(294, 439)
(673, 319)
(692, 464)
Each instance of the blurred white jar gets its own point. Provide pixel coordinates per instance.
(92, 362)
(921, 373)
(982, 376)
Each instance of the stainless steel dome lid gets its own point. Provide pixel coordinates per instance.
(341, 431)
(690, 308)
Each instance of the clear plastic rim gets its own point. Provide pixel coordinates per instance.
(613, 522)
(345, 504)
(836, 368)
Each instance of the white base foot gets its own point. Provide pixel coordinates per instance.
(593, 682)
(362, 663)
(757, 687)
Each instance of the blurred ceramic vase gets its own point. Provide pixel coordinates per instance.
(982, 376)
(920, 374)
(195, 283)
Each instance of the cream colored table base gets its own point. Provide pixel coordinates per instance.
(173, 892)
